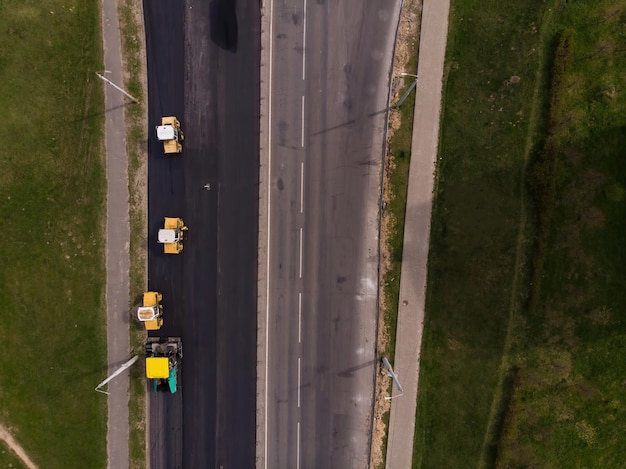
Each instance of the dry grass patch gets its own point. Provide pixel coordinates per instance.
(392, 223)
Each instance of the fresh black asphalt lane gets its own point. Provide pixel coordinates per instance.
(203, 67)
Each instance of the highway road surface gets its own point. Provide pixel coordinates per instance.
(329, 64)
(203, 67)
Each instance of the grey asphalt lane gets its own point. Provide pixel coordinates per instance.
(203, 67)
(330, 70)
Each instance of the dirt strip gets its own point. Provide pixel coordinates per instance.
(17, 449)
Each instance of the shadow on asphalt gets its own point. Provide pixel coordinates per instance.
(223, 20)
(348, 123)
(349, 372)
(101, 113)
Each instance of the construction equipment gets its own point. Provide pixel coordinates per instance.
(163, 357)
(170, 134)
(151, 312)
(171, 235)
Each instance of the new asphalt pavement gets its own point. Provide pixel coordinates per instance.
(203, 67)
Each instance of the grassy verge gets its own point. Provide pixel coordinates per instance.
(397, 175)
(137, 405)
(52, 202)
(397, 179)
(522, 362)
(567, 406)
(133, 54)
(395, 184)
(478, 247)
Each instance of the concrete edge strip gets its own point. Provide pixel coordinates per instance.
(262, 280)
(118, 226)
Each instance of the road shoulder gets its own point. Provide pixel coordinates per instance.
(433, 37)
(263, 242)
(117, 242)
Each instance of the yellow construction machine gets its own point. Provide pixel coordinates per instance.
(163, 357)
(151, 312)
(171, 235)
(170, 134)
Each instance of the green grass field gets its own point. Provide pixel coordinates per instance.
(52, 183)
(567, 404)
(522, 364)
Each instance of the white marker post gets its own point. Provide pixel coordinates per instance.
(394, 377)
(408, 91)
(106, 80)
(118, 372)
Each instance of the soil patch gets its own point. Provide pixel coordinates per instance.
(16, 448)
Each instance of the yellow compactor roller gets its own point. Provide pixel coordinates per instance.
(151, 313)
(170, 134)
(171, 235)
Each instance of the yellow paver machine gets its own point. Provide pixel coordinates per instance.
(163, 357)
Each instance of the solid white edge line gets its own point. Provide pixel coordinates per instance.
(302, 187)
(302, 140)
(269, 214)
(300, 317)
(300, 252)
(304, 43)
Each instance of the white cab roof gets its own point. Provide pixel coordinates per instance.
(167, 236)
(165, 132)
